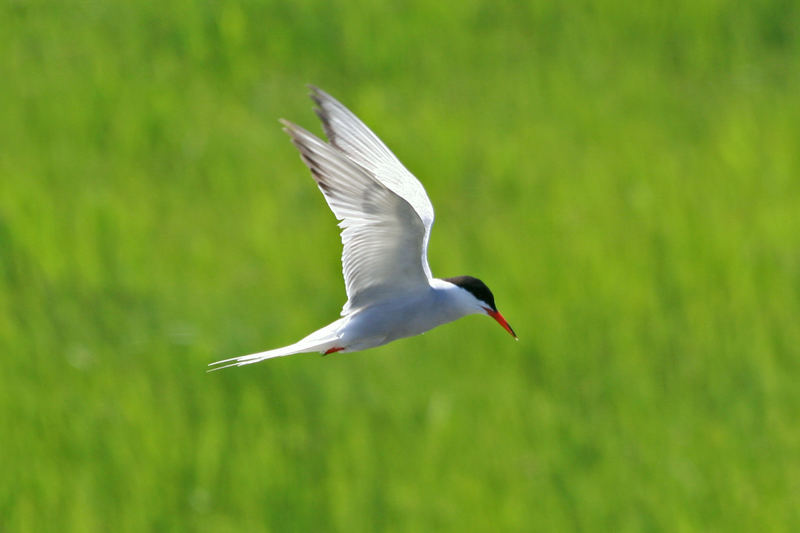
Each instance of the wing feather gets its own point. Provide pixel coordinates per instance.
(382, 234)
(349, 134)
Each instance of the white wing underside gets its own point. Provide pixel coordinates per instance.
(384, 211)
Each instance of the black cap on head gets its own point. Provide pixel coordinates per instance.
(476, 287)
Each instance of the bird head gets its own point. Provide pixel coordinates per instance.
(480, 299)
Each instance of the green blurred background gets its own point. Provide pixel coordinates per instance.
(624, 175)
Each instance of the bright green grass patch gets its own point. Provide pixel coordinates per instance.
(623, 175)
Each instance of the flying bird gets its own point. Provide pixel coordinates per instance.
(386, 218)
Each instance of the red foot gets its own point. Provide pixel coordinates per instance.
(332, 350)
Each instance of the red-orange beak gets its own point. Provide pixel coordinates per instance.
(502, 321)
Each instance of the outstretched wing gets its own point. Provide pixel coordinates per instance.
(346, 132)
(383, 234)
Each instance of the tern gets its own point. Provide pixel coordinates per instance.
(386, 218)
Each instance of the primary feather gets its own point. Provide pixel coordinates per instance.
(384, 212)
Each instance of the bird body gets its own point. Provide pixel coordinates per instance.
(386, 218)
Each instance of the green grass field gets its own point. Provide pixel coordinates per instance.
(625, 176)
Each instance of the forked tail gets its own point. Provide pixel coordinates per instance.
(323, 340)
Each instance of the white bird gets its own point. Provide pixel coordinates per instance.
(386, 220)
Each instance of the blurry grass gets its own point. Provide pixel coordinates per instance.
(623, 175)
